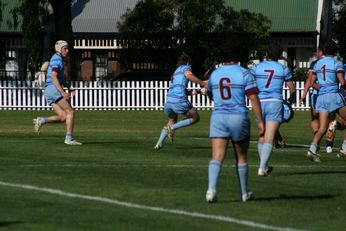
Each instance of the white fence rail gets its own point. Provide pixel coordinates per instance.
(150, 95)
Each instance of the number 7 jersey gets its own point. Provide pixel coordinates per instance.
(270, 76)
(228, 85)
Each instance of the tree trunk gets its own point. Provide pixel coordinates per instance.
(63, 31)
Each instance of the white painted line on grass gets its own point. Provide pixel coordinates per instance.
(72, 165)
(151, 208)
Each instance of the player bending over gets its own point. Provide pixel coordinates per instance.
(177, 101)
(228, 86)
(56, 96)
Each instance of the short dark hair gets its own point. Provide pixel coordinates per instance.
(231, 54)
(330, 48)
(274, 52)
(184, 59)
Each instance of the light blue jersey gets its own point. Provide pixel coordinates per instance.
(51, 93)
(228, 86)
(56, 64)
(270, 76)
(326, 69)
(177, 90)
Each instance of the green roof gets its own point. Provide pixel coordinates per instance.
(6, 25)
(285, 15)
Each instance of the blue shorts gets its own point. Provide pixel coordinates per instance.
(272, 111)
(230, 126)
(172, 109)
(52, 94)
(330, 102)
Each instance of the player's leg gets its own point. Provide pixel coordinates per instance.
(192, 117)
(70, 115)
(53, 96)
(219, 148)
(242, 168)
(270, 131)
(342, 124)
(279, 141)
(172, 118)
(312, 152)
(330, 135)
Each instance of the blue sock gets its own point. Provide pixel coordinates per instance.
(163, 136)
(242, 172)
(265, 155)
(43, 120)
(313, 147)
(182, 123)
(68, 137)
(213, 173)
(259, 148)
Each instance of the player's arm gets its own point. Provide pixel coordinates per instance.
(340, 76)
(292, 88)
(194, 79)
(54, 76)
(256, 107)
(309, 82)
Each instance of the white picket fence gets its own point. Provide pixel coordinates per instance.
(150, 95)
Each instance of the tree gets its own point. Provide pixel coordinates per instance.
(201, 28)
(32, 28)
(35, 17)
(339, 25)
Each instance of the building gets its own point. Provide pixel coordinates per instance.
(297, 25)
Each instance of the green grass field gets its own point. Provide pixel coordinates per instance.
(117, 181)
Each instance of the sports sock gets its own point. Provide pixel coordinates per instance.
(259, 148)
(213, 173)
(43, 120)
(242, 172)
(182, 123)
(163, 136)
(344, 145)
(265, 155)
(313, 147)
(68, 137)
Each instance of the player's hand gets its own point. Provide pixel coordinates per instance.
(205, 84)
(65, 95)
(72, 92)
(261, 128)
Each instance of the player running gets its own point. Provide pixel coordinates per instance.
(56, 96)
(228, 86)
(270, 76)
(328, 72)
(177, 101)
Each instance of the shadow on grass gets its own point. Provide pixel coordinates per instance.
(282, 197)
(310, 173)
(8, 223)
(111, 142)
(297, 197)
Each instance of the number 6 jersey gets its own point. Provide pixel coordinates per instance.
(228, 85)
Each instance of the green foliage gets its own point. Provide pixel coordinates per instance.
(202, 28)
(34, 16)
(300, 74)
(339, 26)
